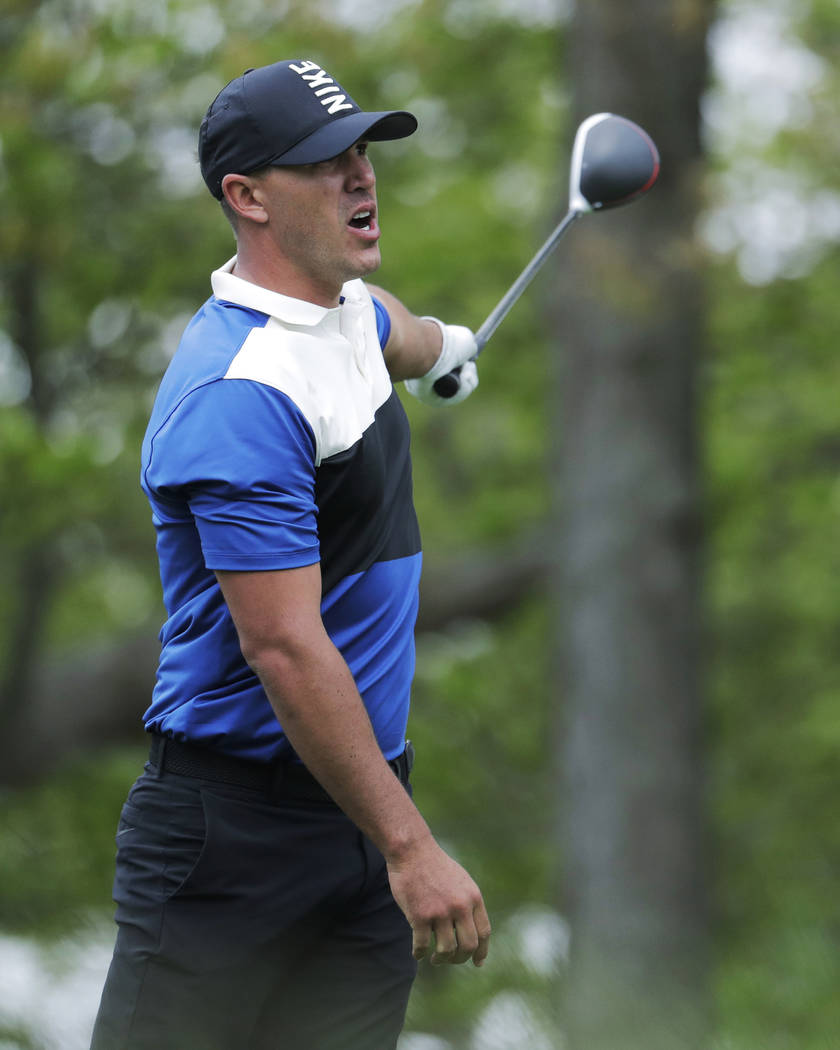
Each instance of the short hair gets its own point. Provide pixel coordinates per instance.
(230, 214)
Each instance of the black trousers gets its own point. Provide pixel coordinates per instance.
(250, 919)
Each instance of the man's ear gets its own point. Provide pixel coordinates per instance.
(244, 196)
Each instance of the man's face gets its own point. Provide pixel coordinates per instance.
(322, 221)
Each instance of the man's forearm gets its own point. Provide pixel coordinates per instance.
(414, 343)
(282, 636)
(316, 701)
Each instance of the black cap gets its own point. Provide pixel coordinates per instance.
(290, 112)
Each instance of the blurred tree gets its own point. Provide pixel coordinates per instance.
(631, 314)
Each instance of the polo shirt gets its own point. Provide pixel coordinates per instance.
(277, 441)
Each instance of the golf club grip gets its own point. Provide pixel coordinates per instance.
(448, 386)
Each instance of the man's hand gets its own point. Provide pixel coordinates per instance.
(457, 350)
(441, 903)
(422, 349)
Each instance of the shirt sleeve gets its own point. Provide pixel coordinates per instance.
(241, 456)
(383, 322)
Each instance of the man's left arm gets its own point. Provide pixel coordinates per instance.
(422, 349)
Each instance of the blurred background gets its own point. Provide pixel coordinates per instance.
(627, 706)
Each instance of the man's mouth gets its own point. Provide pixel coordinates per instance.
(363, 220)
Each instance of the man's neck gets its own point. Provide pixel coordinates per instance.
(277, 277)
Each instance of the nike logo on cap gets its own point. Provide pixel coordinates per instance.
(327, 91)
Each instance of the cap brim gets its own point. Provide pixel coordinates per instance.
(337, 136)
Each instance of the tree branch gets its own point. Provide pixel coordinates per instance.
(96, 697)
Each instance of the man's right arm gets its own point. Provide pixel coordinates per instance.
(422, 349)
(282, 637)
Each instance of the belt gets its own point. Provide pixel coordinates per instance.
(280, 777)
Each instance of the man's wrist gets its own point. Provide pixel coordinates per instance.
(405, 839)
(457, 347)
(434, 343)
(457, 353)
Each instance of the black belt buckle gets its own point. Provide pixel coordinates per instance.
(403, 764)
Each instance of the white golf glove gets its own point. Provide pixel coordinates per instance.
(458, 347)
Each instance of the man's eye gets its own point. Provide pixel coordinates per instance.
(361, 148)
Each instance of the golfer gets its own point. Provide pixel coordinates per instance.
(275, 883)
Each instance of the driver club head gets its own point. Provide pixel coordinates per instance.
(614, 161)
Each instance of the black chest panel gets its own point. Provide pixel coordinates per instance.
(364, 498)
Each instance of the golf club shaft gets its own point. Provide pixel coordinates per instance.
(500, 311)
(447, 386)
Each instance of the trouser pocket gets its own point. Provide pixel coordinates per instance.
(161, 836)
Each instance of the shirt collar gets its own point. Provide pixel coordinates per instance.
(293, 311)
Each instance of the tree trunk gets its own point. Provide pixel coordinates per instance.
(630, 325)
(35, 575)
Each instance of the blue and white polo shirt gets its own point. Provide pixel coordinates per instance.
(277, 441)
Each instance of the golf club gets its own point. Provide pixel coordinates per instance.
(614, 161)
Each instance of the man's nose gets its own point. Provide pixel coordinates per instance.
(360, 172)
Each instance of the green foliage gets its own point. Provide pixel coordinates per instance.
(57, 844)
(772, 444)
(481, 720)
(16, 1038)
